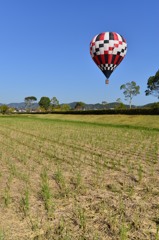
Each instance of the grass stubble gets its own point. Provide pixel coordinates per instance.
(74, 180)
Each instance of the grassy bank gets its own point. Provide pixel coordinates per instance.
(146, 121)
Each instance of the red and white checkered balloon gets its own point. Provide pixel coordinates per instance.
(108, 50)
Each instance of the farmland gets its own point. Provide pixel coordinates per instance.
(79, 177)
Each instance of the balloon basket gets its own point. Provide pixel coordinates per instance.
(106, 81)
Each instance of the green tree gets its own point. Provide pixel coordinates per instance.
(54, 102)
(29, 101)
(120, 104)
(130, 90)
(44, 102)
(4, 109)
(65, 107)
(153, 85)
(79, 105)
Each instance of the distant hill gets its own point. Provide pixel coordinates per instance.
(96, 106)
(22, 105)
(17, 105)
(99, 106)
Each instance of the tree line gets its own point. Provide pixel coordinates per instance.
(47, 104)
(130, 90)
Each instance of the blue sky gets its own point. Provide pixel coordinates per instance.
(44, 48)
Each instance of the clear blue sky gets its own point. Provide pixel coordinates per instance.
(44, 48)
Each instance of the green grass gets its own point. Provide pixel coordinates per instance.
(79, 177)
(146, 121)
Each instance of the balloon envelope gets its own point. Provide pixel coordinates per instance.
(108, 50)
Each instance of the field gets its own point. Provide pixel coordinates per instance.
(76, 177)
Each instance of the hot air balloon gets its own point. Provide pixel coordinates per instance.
(108, 50)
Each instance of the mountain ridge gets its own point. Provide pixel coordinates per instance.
(88, 106)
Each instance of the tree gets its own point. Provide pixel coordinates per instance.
(65, 107)
(29, 101)
(130, 90)
(54, 102)
(79, 105)
(153, 85)
(120, 104)
(4, 109)
(44, 102)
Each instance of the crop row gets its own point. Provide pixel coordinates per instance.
(64, 180)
